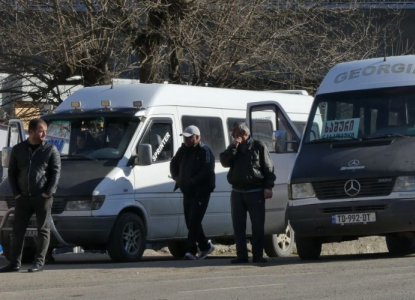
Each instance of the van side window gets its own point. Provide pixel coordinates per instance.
(262, 131)
(160, 137)
(290, 134)
(273, 128)
(300, 126)
(211, 131)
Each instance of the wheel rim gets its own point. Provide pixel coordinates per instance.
(284, 240)
(131, 238)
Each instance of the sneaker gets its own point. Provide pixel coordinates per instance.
(189, 256)
(204, 254)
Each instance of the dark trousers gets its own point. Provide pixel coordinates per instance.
(194, 211)
(254, 204)
(25, 208)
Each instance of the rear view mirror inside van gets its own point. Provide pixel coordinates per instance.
(144, 157)
(5, 156)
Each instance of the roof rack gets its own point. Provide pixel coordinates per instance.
(295, 92)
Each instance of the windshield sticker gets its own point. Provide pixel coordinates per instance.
(341, 129)
(354, 164)
(161, 146)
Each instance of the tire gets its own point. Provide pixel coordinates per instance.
(400, 246)
(308, 247)
(280, 245)
(177, 248)
(128, 239)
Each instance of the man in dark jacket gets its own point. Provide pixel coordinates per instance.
(33, 175)
(193, 169)
(252, 178)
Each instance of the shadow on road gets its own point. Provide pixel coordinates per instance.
(72, 261)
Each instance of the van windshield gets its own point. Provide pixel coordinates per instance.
(362, 115)
(92, 138)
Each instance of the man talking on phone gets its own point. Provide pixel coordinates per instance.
(252, 177)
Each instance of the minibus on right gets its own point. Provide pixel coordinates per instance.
(354, 175)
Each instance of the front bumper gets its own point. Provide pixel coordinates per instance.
(392, 216)
(75, 231)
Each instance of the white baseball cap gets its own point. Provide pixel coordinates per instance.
(191, 130)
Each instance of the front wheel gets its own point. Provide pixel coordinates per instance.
(308, 247)
(128, 239)
(280, 245)
(400, 246)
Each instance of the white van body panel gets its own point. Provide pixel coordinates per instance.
(153, 189)
(159, 95)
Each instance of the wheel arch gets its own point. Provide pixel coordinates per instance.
(139, 211)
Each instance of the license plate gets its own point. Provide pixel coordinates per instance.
(356, 218)
(31, 232)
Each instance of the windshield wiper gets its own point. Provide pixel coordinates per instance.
(322, 140)
(328, 139)
(79, 155)
(385, 136)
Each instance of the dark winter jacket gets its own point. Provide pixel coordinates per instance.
(31, 174)
(193, 169)
(249, 169)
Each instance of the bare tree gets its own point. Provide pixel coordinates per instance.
(46, 45)
(257, 44)
(250, 44)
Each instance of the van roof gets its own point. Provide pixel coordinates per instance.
(152, 95)
(370, 74)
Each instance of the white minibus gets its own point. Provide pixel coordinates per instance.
(116, 193)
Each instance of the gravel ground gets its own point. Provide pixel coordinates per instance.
(363, 245)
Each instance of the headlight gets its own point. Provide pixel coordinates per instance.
(79, 205)
(302, 190)
(3, 205)
(93, 204)
(405, 184)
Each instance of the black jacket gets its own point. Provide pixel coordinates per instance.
(249, 169)
(193, 169)
(31, 174)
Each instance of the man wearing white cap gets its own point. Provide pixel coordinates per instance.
(193, 169)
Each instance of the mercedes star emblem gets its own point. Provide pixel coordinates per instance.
(352, 187)
(353, 163)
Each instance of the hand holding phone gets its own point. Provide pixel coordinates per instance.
(237, 141)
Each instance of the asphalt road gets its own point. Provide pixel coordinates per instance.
(94, 276)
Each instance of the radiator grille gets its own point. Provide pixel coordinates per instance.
(58, 205)
(369, 187)
(353, 209)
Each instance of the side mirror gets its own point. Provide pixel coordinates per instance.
(280, 141)
(144, 157)
(5, 156)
